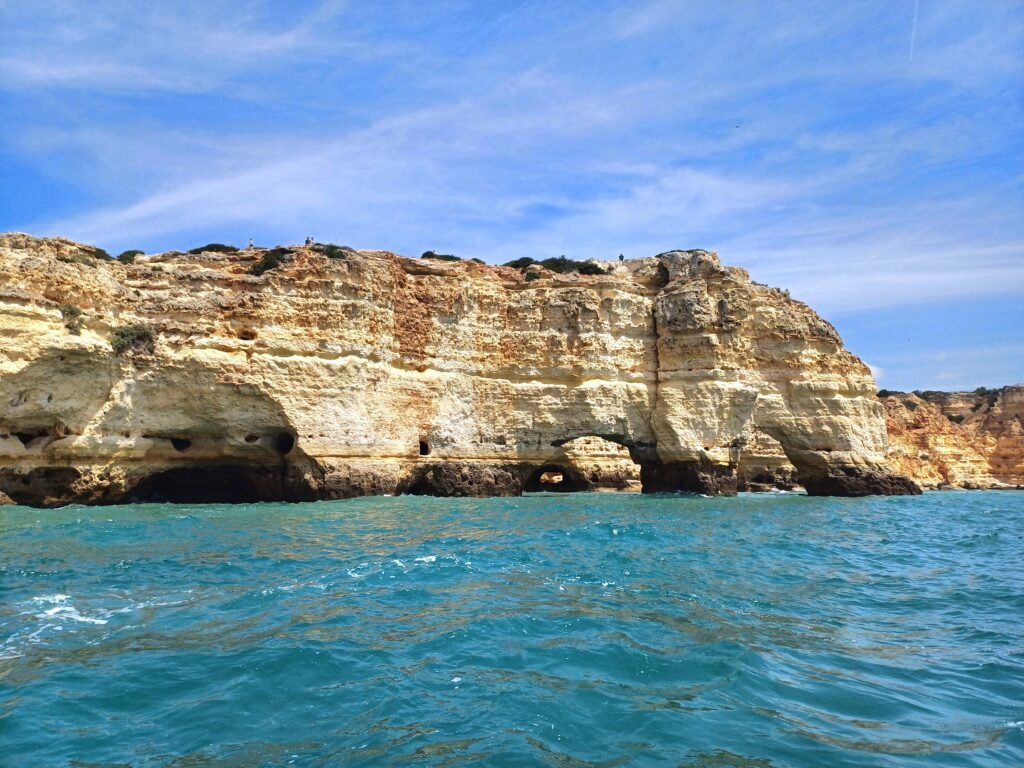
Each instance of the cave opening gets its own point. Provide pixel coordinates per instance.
(231, 484)
(604, 462)
(424, 448)
(181, 444)
(283, 443)
(28, 436)
(555, 478)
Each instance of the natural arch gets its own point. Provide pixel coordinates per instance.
(556, 478)
(826, 469)
(607, 465)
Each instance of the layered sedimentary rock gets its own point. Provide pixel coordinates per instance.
(925, 445)
(959, 439)
(338, 373)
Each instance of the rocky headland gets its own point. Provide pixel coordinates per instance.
(957, 439)
(325, 372)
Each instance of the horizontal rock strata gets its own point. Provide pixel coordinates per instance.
(312, 373)
(957, 439)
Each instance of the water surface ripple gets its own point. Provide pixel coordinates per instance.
(577, 630)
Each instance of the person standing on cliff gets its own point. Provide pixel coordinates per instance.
(250, 243)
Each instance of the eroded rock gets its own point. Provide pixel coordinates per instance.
(371, 374)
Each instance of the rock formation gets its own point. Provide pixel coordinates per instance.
(957, 439)
(324, 372)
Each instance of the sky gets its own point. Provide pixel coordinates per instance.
(867, 156)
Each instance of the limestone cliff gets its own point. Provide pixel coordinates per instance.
(313, 372)
(960, 439)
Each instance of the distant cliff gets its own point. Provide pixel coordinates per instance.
(325, 372)
(960, 439)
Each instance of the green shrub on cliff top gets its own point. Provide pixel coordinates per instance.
(128, 257)
(213, 248)
(87, 258)
(332, 251)
(133, 338)
(271, 259)
(559, 264)
(440, 256)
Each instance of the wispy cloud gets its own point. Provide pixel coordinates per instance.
(913, 32)
(794, 140)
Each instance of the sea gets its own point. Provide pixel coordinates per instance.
(548, 630)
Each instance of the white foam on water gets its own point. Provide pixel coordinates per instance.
(398, 562)
(426, 559)
(69, 612)
(50, 599)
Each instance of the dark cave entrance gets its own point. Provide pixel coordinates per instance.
(223, 484)
(555, 478)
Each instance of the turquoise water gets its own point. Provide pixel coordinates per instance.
(571, 630)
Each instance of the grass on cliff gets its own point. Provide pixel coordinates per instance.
(72, 318)
(128, 257)
(560, 264)
(213, 248)
(271, 259)
(87, 259)
(133, 338)
(332, 251)
(440, 256)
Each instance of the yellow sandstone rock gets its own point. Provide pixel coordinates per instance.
(190, 377)
(959, 439)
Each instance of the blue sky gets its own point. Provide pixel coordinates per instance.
(867, 156)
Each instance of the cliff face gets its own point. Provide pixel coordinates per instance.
(371, 373)
(963, 439)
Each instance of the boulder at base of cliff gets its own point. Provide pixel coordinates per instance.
(465, 479)
(857, 481)
(5, 499)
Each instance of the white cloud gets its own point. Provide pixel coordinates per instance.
(662, 125)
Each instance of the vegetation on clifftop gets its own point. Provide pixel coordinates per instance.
(213, 248)
(271, 259)
(440, 256)
(560, 264)
(332, 251)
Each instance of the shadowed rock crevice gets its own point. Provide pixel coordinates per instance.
(688, 477)
(464, 479)
(42, 486)
(217, 484)
(856, 481)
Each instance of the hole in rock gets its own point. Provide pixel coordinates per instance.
(231, 484)
(28, 436)
(251, 438)
(424, 448)
(247, 334)
(181, 443)
(554, 478)
(283, 442)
